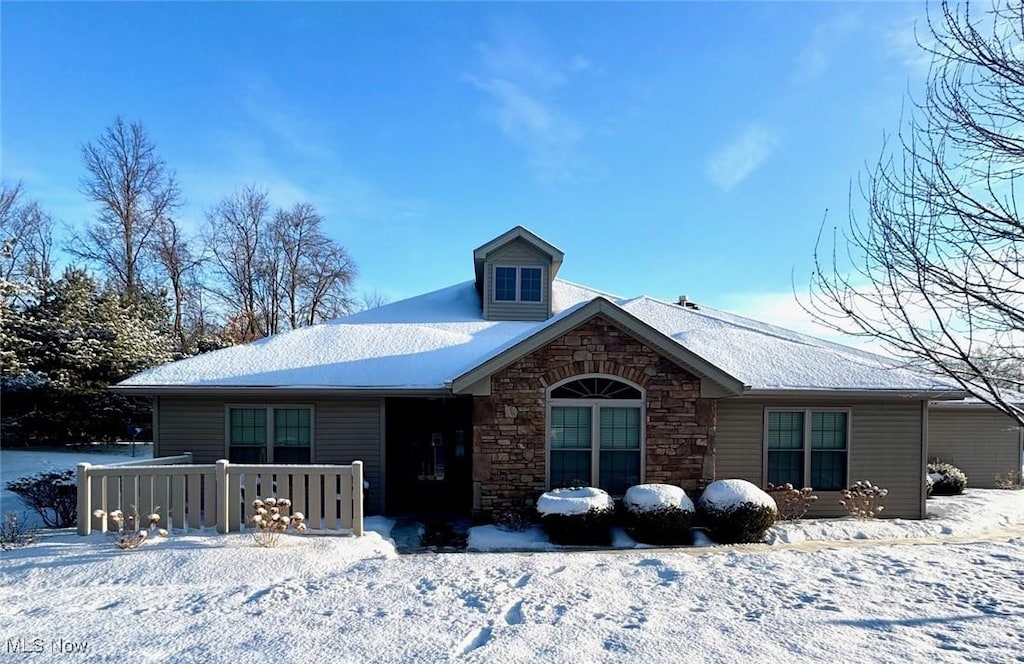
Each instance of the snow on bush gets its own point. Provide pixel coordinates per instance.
(658, 514)
(736, 511)
(864, 500)
(52, 494)
(130, 533)
(946, 479)
(577, 516)
(269, 520)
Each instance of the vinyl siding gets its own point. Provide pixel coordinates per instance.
(981, 443)
(517, 253)
(885, 448)
(344, 430)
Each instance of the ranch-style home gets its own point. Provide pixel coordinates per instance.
(480, 396)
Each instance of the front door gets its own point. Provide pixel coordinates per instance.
(428, 455)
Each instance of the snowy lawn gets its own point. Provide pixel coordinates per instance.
(204, 597)
(210, 598)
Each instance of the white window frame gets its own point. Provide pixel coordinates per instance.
(519, 283)
(595, 424)
(269, 407)
(807, 412)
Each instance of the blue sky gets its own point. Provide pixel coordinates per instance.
(666, 148)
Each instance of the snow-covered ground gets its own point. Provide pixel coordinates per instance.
(210, 598)
(205, 597)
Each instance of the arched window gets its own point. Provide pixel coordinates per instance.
(595, 433)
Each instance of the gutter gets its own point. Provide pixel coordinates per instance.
(931, 395)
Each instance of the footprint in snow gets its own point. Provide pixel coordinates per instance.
(476, 639)
(514, 614)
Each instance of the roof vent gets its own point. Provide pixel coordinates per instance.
(685, 303)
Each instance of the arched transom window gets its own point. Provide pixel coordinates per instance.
(595, 434)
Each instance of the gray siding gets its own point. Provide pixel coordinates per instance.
(344, 430)
(885, 448)
(518, 252)
(983, 443)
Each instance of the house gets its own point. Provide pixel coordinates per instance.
(983, 442)
(480, 396)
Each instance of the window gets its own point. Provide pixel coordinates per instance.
(505, 284)
(595, 434)
(270, 434)
(518, 283)
(807, 448)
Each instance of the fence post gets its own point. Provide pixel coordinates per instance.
(84, 494)
(221, 482)
(357, 498)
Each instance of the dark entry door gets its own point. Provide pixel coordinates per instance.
(428, 455)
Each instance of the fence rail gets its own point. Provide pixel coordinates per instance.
(189, 496)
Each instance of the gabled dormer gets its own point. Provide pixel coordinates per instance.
(514, 272)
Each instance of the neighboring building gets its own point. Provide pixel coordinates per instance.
(480, 396)
(980, 440)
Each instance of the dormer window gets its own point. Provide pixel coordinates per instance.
(518, 283)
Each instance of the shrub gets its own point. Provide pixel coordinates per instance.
(512, 521)
(52, 494)
(947, 479)
(864, 500)
(658, 514)
(577, 516)
(793, 503)
(130, 533)
(736, 511)
(270, 519)
(1007, 480)
(14, 533)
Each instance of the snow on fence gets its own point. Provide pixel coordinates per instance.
(191, 496)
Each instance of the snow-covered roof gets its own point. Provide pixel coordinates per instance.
(426, 341)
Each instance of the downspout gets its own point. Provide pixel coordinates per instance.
(156, 427)
(923, 468)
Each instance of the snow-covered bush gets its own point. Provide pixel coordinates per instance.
(946, 479)
(864, 500)
(793, 503)
(658, 514)
(270, 519)
(52, 494)
(736, 511)
(512, 521)
(14, 533)
(577, 516)
(130, 531)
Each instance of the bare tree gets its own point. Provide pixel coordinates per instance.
(316, 272)
(233, 238)
(371, 300)
(26, 240)
(173, 253)
(135, 191)
(935, 267)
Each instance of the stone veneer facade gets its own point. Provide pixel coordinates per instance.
(509, 437)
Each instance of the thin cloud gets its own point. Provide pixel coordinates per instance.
(735, 161)
(904, 42)
(520, 82)
(816, 57)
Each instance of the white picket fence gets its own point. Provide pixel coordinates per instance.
(188, 496)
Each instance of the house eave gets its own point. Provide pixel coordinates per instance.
(279, 390)
(859, 393)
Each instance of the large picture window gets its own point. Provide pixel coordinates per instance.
(521, 283)
(807, 448)
(270, 434)
(595, 434)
